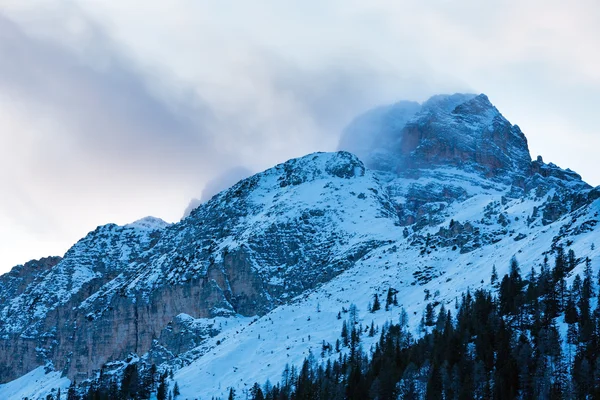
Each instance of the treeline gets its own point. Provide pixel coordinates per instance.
(531, 337)
(138, 381)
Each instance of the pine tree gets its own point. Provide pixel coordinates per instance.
(403, 318)
(344, 333)
(376, 305)
(560, 265)
(571, 260)
(587, 289)
(353, 314)
(372, 330)
(571, 315)
(441, 319)
(131, 381)
(256, 392)
(161, 392)
(176, 391)
(72, 393)
(389, 300)
(429, 315)
(494, 278)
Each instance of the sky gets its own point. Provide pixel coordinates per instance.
(110, 111)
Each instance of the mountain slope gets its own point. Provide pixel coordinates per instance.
(247, 250)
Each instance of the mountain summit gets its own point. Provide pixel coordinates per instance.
(462, 130)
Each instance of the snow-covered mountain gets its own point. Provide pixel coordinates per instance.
(254, 279)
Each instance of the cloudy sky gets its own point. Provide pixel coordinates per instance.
(110, 111)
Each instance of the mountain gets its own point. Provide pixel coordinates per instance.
(256, 277)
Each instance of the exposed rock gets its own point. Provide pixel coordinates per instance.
(460, 130)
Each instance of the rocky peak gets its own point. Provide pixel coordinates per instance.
(148, 223)
(548, 176)
(473, 135)
(459, 130)
(341, 165)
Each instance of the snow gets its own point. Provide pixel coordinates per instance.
(37, 384)
(148, 223)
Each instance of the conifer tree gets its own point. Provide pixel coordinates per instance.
(389, 300)
(161, 392)
(344, 333)
(376, 304)
(494, 277)
(571, 315)
(256, 392)
(429, 315)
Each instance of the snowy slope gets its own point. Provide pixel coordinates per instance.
(37, 384)
(287, 334)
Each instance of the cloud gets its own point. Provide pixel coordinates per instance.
(78, 135)
(224, 181)
(107, 110)
(91, 135)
